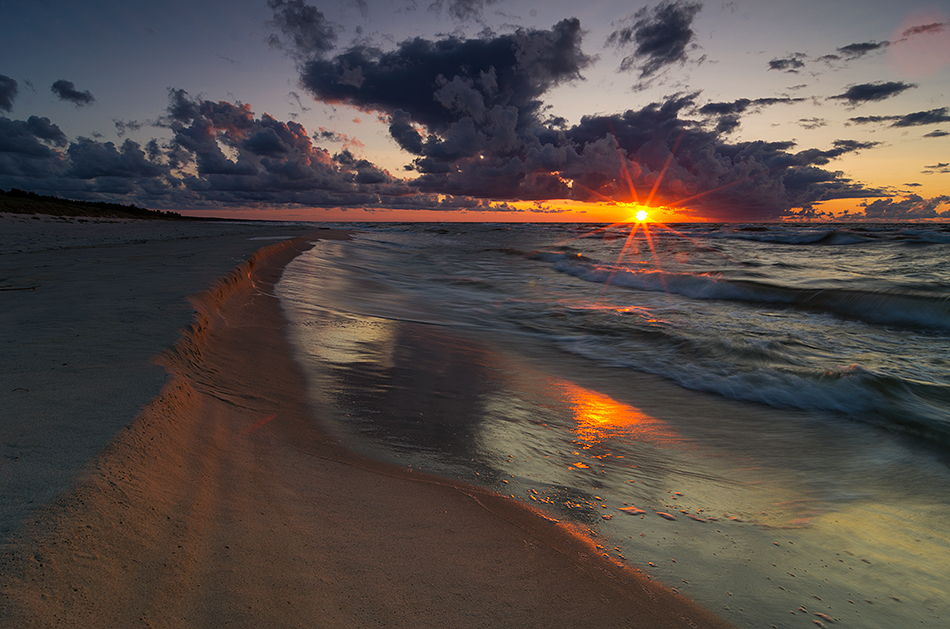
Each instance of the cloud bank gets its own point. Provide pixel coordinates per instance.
(470, 116)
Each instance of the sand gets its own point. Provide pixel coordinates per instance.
(222, 505)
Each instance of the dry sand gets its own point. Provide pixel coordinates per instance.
(221, 505)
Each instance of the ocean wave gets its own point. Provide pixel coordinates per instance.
(783, 235)
(897, 307)
(886, 400)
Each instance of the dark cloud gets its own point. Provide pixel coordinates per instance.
(655, 147)
(933, 116)
(728, 112)
(937, 134)
(913, 185)
(470, 116)
(791, 64)
(45, 130)
(868, 92)
(909, 208)
(306, 31)
(90, 159)
(239, 158)
(67, 91)
(8, 92)
(854, 51)
(444, 81)
(220, 154)
(661, 36)
(743, 104)
(25, 148)
(122, 126)
(821, 158)
(462, 10)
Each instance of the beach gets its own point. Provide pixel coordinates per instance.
(203, 493)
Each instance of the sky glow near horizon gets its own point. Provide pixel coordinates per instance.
(482, 109)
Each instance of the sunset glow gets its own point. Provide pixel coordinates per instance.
(674, 109)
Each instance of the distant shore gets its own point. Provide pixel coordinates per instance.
(21, 202)
(222, 505)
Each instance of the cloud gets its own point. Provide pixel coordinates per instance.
(462, 10)
(469, 113)
(868, 92)
(441, 82)
(854, 51)
(909, 208)
(933, 116)
(729, 111)
(26, 148)
(67, 91)
(8, 92)
(940, 168)
(937, 134)
(743, 104)
(924, 29)
(661, 36)
(220, 154)
(791, 64)
(306, 31)
(812, 123)
(122, 127)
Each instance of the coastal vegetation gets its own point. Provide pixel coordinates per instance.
(22, 202)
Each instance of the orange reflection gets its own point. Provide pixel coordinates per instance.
(600, 417)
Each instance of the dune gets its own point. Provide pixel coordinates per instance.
(223, 505)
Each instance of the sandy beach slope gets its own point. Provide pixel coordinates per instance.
(220, 505)
(85, 306)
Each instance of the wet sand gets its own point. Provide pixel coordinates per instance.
(222, 505)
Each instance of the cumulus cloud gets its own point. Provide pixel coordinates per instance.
(440, 82)
(8, 92)
(305, 30)
(660, 36)
(869, 92)
(911, 207)
(469, 114)
(220, 154)
(67, 91)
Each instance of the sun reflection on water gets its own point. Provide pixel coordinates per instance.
(599, 417)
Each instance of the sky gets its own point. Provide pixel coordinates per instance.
(474, 110)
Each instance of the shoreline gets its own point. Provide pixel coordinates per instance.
(221, 504)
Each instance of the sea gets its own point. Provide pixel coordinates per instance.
(755, 415)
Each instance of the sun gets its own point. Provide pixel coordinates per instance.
(641, 215)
